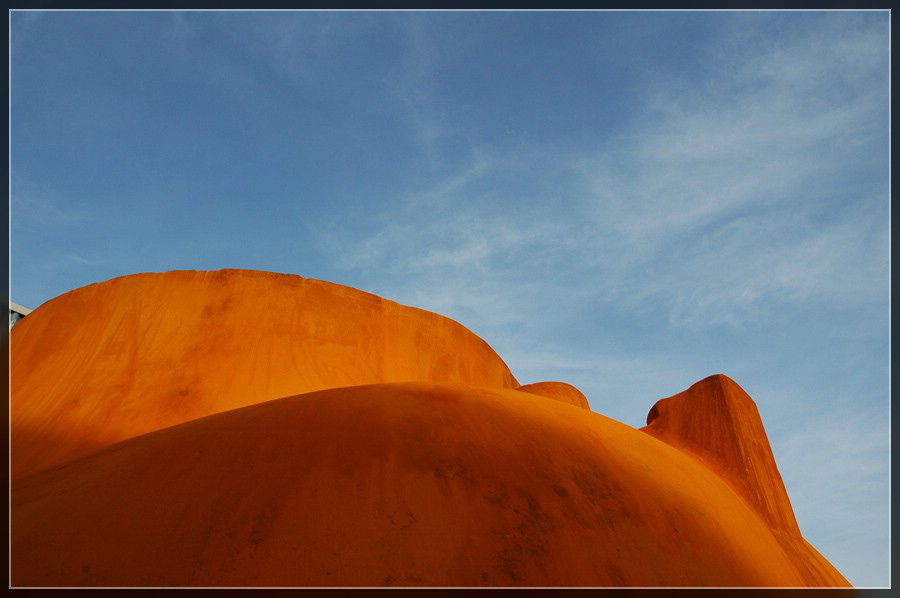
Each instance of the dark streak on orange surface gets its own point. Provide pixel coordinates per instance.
(367, 478)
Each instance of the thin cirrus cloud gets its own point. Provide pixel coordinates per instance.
(855, 445)
(725, 189)
(38, 211)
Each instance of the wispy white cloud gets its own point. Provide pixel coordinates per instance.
(180, 27)
(715, 206)
(753, 265)
(736, 175)
(37, 208)
(440, 252)
(63, 261)
(835, 468)
(21, 24)
(180, 31)
(413, 85)
(622, 385)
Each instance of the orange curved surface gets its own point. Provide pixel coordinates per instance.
(559, 391)
(151, 449)
(718, 423)
(135, 354)
(396, 484)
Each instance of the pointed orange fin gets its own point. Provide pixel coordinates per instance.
(718, 422)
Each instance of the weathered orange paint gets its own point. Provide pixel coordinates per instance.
(718, 423)
(438, 472)
(131, 355)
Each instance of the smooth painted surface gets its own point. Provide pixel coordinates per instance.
(396, 484)
(151, 449)
(134, 354)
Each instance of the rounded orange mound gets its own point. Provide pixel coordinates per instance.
(242, 428)
(559, 391)
(135, 354)
(420, 484)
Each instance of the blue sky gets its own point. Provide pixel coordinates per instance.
(626, 201)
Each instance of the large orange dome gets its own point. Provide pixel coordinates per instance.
(134, 354)
(400, 451)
